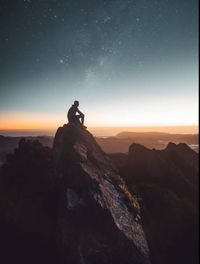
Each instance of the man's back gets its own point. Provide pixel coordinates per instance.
(72, 113)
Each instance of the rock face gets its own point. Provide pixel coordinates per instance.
(98, 218)
(28, 206)
(166, 182)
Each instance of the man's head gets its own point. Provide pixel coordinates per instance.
(76, 103)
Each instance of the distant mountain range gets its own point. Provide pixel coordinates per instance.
(121, 142)
(117, 144)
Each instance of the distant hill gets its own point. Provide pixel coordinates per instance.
(189, 138)
(122, 141)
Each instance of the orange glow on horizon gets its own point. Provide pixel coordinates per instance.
(33, 121)
(28, 121)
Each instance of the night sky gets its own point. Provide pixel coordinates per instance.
(128, 62)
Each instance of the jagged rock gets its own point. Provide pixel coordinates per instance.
(166, 182)
(105, 217)
(185, 153)
(28, 206)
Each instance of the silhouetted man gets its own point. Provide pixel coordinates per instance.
(72, 115)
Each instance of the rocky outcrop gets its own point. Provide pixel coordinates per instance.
(189, 156)
(28, 206)
(166, 182)
(175, 167)
(99, 220)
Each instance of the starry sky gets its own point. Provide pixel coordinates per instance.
(128, 62)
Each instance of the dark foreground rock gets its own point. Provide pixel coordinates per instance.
(99, 220)
(166, 182)
(28, 205)
(68, 205)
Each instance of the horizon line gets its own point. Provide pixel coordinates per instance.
(135, 126)
(105, 131)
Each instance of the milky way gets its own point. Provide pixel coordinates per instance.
(101, 52)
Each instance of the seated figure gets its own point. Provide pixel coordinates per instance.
(74, 115)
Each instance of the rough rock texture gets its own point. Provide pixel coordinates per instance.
(98, 219)
(28, 206)
(166, 182)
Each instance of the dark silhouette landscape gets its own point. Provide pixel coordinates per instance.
(64, 200)
(115, 144)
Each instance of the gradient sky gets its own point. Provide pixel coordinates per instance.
(128, 62)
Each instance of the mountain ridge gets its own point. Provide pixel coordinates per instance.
(166, 181)
(109, 191)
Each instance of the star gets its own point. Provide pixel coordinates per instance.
(106, 19)
(101, 62)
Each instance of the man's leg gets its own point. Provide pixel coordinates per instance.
(82, 119)
(77, 119)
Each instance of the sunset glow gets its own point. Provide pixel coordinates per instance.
(174, 112)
